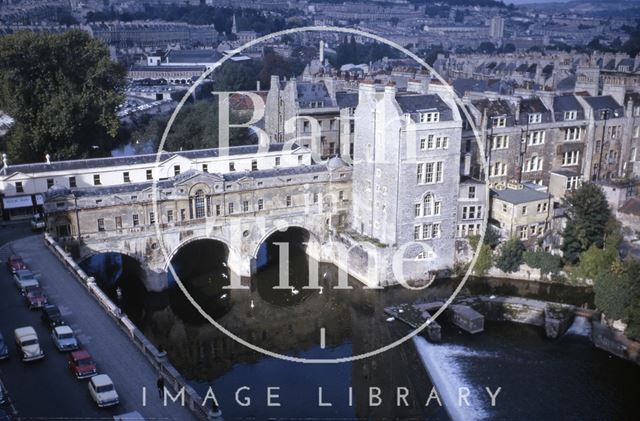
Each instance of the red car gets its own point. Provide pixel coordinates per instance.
(81, 364)
(35, 298)
(15, 263)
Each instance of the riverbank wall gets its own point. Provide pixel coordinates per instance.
(173, 379)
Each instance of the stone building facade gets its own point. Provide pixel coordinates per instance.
(407, 145)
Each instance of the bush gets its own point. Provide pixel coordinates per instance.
(546, 262)
(510, 257)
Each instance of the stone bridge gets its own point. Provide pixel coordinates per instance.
(240, 211)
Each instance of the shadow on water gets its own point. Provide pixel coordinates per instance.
(512, 356)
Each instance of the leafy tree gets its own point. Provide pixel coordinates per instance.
(510, 257)
(486, 47)
(546, 262)
(62, 90)
(484, 262)
(492, 237)
(588, 214)
(235, 76)
(195, 127)
(617, 293)
(596, 260)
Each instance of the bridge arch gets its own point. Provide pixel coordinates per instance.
(312, 239)
(228, 249)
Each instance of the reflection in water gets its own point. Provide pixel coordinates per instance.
(289, 323)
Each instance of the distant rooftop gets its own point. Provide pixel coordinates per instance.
(518, 196)
(136, 159)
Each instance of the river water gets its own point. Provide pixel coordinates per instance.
(538, 378)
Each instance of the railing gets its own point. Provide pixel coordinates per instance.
(158, 359)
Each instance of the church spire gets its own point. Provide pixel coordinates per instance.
(234, 26)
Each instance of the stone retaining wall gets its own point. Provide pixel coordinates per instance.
(173, 378)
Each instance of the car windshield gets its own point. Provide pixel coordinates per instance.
(30, 342)
(105, 388)
(53, 313)
(84, 361)
(66, 336)
(34, 293)
(26, 275)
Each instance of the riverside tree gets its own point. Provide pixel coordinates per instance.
(587, 216)
(63, 91)
(510, 257)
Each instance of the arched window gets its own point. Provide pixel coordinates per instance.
(427, 205)
(199, 204)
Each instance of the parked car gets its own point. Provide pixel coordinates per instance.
(37, 222)
(51, 316)
(15, 263)
(81, 364)
(28, 345)
(103, 391)
(4, 349)
(24, 278)
(64, 339)
(34, 297)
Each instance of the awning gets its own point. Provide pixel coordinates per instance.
(17, 202)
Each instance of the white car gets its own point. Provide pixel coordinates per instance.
(103, 391)
(24, 278)
(64, 338)
(28, 345)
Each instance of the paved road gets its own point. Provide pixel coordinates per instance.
(46, 388)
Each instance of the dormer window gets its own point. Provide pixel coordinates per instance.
(500, 122)
(430, 117)
(570, 115)
(535, 118)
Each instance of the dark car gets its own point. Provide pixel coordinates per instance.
(4, 350)
(51, 316)
(34, 297)
(15, 263)
(81, 364)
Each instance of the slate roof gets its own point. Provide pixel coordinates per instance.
(193, 56)
(495, 108)
(163, 184)
(533, 105)
(517, 197)
(309, 92)
(346, 99)
(602, 103)
(469, 85)
(627, 62)
(417, 103)
(135, 159)
(568, 83)
(167, 68)
(566, 103)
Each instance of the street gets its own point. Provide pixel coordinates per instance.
(46, 388)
